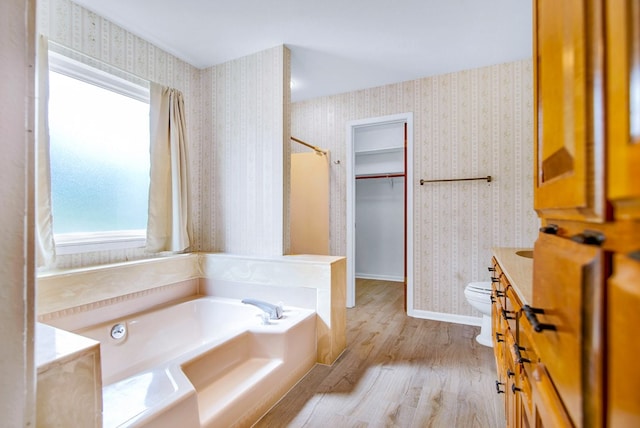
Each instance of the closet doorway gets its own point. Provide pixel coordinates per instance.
(380, 202)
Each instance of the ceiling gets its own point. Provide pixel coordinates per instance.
(336, 45)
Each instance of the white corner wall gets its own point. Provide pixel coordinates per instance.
(17, 372)
(245, 165)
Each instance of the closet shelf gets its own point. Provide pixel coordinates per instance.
(379, 151)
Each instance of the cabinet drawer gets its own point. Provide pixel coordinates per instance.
(566, 318)
(499, 283)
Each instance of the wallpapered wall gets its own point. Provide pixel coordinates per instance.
(243, 197)
(65, 22)
(238, 129)
(467, 124)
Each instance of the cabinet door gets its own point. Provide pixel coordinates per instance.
(549, 411)
(623, 106)
(567, 70)
(567, 321)
(624, 347)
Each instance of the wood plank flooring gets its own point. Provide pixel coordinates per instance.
(397, 371)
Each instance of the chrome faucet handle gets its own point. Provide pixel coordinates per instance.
(274, 311)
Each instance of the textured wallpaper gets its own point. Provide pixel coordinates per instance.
(467, 124)
(74, 27)
(245, 156)
(238, 133)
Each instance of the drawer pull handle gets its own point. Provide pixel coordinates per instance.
(510, 373)
(491, 269)
(635, 255)
(493, 299)
(494, 279)
(519, 358)
(500, 293)
(589, 237)
(505, 315)
(530, 313)
(550, 229)
(498, 383)
(498, 337)
(514, 388)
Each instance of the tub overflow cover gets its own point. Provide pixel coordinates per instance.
(118, 331)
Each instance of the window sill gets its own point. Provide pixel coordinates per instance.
(74, 243)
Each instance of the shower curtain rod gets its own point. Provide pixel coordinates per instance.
(317, 149)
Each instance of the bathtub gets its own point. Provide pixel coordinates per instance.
(204, 362)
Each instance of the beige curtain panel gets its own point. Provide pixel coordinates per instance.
(45, 244)
(168, 226)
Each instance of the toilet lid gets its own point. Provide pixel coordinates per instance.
(480, 286)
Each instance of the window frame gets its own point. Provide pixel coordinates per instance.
(83, 242)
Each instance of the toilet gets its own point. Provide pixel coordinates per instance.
(478, 295)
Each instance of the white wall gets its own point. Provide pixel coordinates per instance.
(380, 228)
(17, 373)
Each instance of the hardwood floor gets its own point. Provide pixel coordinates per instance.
(397, 371)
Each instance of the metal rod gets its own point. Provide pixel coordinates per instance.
(488, 178)
(317, 149)
(362, 177)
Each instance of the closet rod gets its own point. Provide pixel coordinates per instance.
(488, 178)
(363, 177)
(317, 149)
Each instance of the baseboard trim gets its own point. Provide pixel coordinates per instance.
(380, 277)
(442, 316)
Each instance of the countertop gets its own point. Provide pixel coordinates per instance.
(518, 269)
(54, 346)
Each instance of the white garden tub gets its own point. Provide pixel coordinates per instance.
(205, 362)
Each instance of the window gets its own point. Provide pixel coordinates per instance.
(99, 145)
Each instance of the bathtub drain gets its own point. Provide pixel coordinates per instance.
(118, 331)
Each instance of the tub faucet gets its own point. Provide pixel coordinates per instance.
(274, 311)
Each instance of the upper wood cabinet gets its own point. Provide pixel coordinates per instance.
(568, 75)
(623, 106)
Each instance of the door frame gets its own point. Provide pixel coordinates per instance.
(351, 205)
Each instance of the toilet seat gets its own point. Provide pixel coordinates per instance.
(480, 287)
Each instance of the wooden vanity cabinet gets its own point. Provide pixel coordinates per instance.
(623, 106)
(548, 410)
(568, 148)
(587, 115)
(530, 396)
(511, 357)
(566, 318)
(623, 187)
(512, 398)
(586, 276)
(623, 345)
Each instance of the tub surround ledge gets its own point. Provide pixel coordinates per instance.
(71, 288)
(315, 282)
(71, 363)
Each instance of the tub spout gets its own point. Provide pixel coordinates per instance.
(274, 311)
